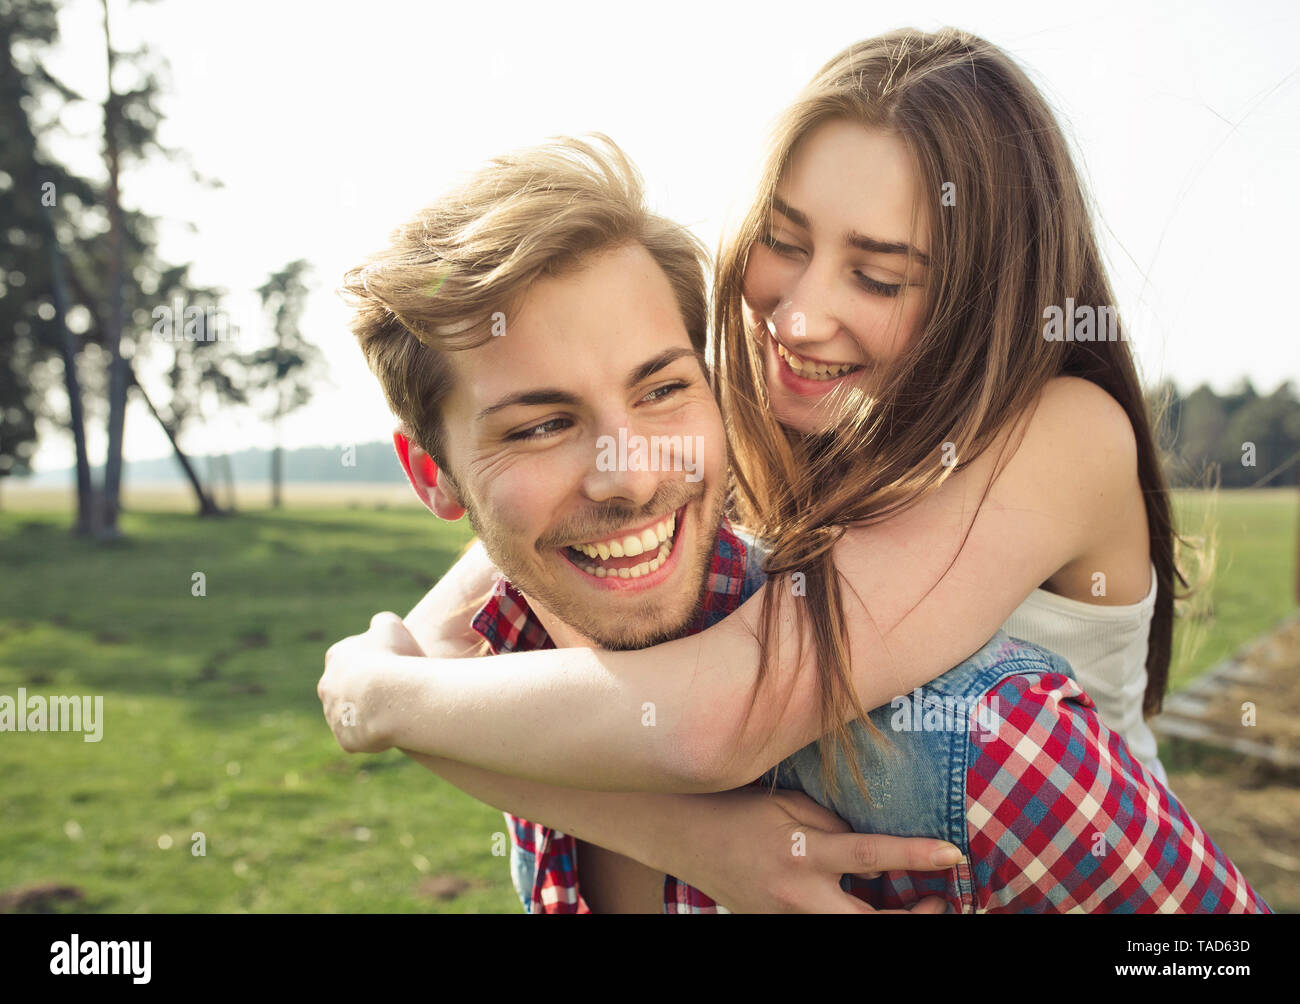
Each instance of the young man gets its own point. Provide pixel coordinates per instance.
(520, 328)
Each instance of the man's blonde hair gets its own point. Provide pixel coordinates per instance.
(472, 255)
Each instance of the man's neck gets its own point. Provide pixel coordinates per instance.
(562, 633)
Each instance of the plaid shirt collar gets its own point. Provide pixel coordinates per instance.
(508, 623)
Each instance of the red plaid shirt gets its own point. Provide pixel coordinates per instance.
(1038, 795)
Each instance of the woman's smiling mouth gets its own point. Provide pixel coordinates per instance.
(807, 377)
(810, 369)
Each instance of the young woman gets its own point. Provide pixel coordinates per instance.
(925, 427)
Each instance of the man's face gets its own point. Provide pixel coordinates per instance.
(535, 431)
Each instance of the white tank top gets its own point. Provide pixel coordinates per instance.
(1107, 648)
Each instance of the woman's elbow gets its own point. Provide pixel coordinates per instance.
(706, 764)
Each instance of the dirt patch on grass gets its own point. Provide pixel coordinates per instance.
(1269, 686)
(39, 897)
(1255, 825)
(445, 887)
(1234, 766)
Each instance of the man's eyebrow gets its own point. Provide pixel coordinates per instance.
(852, 238)
(666, 358)
(547, 395)
(553, 395)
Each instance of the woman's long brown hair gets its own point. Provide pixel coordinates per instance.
(1018, 239)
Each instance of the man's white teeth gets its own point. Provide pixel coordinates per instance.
(636, 571)
(634, 543)
(810, 370)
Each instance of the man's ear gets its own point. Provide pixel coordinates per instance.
(435, 491)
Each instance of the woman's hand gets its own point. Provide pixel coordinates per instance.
(781, 852)
(751, 850)
(355, 691)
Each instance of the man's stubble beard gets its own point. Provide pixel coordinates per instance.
(578, 615)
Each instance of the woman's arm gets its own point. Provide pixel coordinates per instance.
(580, 717)
(440, 622)
(733, 846)
(736, 846)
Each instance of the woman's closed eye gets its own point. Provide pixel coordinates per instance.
(865, 281)
(876, 286)
(780, 247)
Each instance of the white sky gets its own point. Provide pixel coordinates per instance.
(328, 123)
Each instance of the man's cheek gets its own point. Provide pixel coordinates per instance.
(524, 505)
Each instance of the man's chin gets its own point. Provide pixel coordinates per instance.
(617, 638)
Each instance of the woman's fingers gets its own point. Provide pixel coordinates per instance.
(391, 632)
(869, 854)
(847, 903)
(931, 904)
(804, 810)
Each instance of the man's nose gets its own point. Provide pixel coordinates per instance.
(616, 451)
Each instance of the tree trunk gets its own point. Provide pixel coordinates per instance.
(277, 473)
(117, 375)
(86, 509)
(206, 505)
(229, 470)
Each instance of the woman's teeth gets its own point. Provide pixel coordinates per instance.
(813, 371)
(657, 539)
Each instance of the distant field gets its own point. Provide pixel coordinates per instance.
(1253, 585)
(212, 724)
(18, 496)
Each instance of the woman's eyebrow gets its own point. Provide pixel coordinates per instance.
(789, 212)
(856, 240)
(852, 239)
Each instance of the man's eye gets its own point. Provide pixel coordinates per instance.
(660, 393)
(545, 430)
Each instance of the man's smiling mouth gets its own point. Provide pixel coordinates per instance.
(628, 555)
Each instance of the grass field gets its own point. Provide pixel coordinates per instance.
(212, 725)
(1252, 585)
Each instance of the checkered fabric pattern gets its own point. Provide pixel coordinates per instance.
(1060, 817)
(1063, 819)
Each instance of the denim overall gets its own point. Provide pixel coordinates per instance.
(916, 771)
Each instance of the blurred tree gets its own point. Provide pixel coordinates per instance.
(34, 291)
(1202, 422)
(1271, 426)
(287, 370)
(204, 370)
(73, 254)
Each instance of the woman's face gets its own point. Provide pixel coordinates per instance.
(830, 283)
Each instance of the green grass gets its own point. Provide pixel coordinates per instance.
(211, 722)
(1253, 583)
